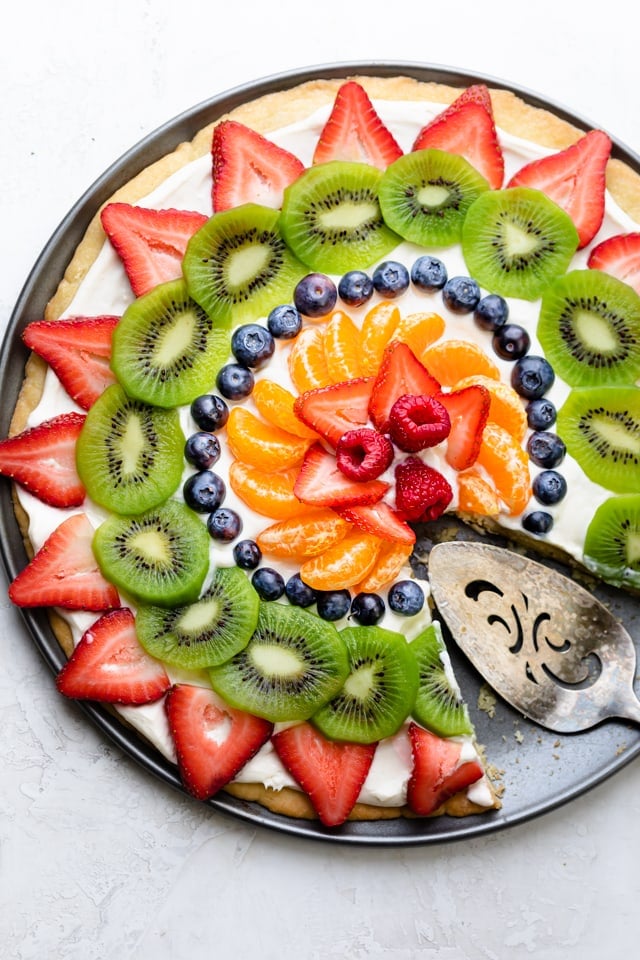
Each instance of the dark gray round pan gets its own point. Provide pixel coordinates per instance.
(541, 770)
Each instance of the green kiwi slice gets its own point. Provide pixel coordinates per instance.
(589, 329)
(129, 454)
(207, 632)
(438, 705)
(166, 350)
(293, 663)
(238, 263)
(159, 557)
(425, 195)
(331, 217)
(601, 430)
(379, 692)
(612, 543)
(516, 240)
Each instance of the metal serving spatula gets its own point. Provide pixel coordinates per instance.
(543, 643)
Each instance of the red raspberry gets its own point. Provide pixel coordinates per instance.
(363, 454)
(418, 422)
(422, 493)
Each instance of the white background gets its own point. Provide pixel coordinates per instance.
(97, 859)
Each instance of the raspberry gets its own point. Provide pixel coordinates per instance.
(363, 454)
(418, 422)
(422, 493)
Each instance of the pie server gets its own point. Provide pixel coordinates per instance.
(542, 642)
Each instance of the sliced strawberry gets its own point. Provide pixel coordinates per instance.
(64, 572)
(437, 772)
(109, 665)
(380, 520)
(468, 411)
(333, 410)
(620, 257)
(422, 493)
(320, 482)
(248, 168)
(78, 350)
(467, 127)
(355, 132)
(150, 243)
(213, 741)
(400, 373)
(330, 773)
(42, 459)
(573, 178)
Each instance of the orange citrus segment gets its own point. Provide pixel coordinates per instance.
(477, 495)
(307, 360)
(261, 444)
(343, 565)
(275, 403)
(451, 360)
(342, 347)
(389, 562)
(508, 466)
(378, 327)
(303, 536)
(419, 331)
(269, 494)
(505, 405)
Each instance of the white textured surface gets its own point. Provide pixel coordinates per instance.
(97, 859)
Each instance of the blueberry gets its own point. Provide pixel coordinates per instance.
(284, 322)
(247, 554)
(538, 521)
(461, 294)
(546, 449)
(541, 414)
(532, 376)
(204, 491)
(224, 524)
(428, 273)
(333, 604)
(549, 487)
(492, 312)
(355, 288)
(367, 609)
(391, 279)
(202, 449)
(210, 412)
(268, 583)
(406, 597)
(252, 344)
(298, 592)
(315, 295)
(235, 381)
(511, 341)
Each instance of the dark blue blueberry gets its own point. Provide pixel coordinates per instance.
(538, 521)
(298, 592)
(315, 295)
(532, 376)
(546, 449)
(549, 487)
(268, 583)
(406, 597)
(511, 341)
(355, 288)
(461, 294)
(247, 554)
(210, 412)
(541, 414)
(284, 322)
(333, 604)
(202, 449)
(235, 381)
(204, 491)
(391, 279)
(252, 345)
(224, 524)
(367, 609)
(428, 273)
(492, 312)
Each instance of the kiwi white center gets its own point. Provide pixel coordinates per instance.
(175, 340)
(349, 215)
(243, 265)
(595, 332)
(273, 660)
(633, 550)
(433, 195)
(518, 242)
(360, 683)
(198, 616)
(617, 436)
(152, 545)
(131, 445)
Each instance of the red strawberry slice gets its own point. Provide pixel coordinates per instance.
(248, 168)
(150, 243)
(110, 666)
(422, 493)
(322, 483)
(400, 373)
(332, 411)
(64, 572)
(355, 132)
(574, 179)
(380, 520)
(468, 411)
(42, 459)
(466, 127)
(437, 772)
(620, 257)
(78, 350)
(330, 773)
(213, 741)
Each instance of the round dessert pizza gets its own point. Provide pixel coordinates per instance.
(342, 313)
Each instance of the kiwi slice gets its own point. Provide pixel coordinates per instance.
(207, 632)
(293, 663)
(238, 264)
(589, 329)
(438, 705)
(601, 430)
(166, 349)
(331, 217)
(129, 454)
(379, 692)
(612, 543)
(425, 195)
(515, 241)
(159, 557)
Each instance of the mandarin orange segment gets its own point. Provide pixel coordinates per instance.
(307, 360)
(505, 405)
(261, 444)
(508, 466)
(306, 535)
(269, 494)
(451, 360)
(389, 562)
(343, 565)
(477, 495)
(342, 347)
(419, 331)
(275, 404)
(378, 328)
